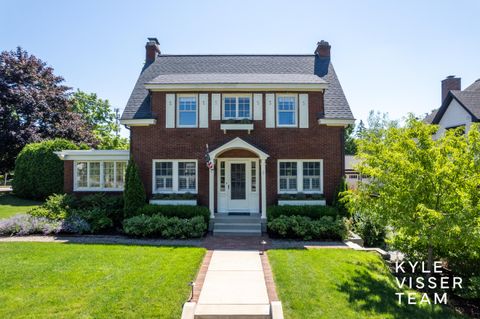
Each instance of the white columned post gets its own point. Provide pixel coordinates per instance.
(211, 194)
(263, 172)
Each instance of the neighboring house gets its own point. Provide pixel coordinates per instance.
(352, 176)
(274, 124)
(459, 107)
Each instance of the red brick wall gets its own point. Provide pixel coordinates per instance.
(316, 142)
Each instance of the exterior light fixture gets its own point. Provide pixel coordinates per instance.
(262, 251)
(192, 285)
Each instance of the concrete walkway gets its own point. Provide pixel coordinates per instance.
(234, 286)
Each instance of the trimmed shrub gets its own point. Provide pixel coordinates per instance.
(38, 171)
(112, 205)
(56, 207)
(96, 217)
(313, 212)
(134, 192)
(179, 211)
(304, 228)
(372, 233)
(24, 224)
(164, 227)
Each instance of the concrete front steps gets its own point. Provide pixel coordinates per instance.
(237, 225)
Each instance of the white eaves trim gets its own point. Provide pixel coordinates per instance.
(139, 122)
(232, 87)
(94, 155)
(336, 122)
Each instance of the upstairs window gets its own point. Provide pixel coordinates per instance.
(237, 107)
(286, 111)
(187, 111)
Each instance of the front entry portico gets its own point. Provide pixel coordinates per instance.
(240, 182)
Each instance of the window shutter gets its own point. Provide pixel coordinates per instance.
(258, 107)
(303, 110)
(216, 106)
(170, 111)
(270, 110)
(203, 110)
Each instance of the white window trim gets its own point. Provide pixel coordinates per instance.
(300, 176)
(175, 189)
(178, 110)
(102, 181)
(236, 96)
(279, 95)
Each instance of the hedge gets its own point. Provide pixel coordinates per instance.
(304, 228)
(180, 211)
(39, 171)
(165, 227)
(313, 212)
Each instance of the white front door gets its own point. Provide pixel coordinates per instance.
(238, 185)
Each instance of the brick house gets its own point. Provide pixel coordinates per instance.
(270, 124)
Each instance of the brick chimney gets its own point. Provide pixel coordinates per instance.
(152, 49)
(451, 83)
(323, 49)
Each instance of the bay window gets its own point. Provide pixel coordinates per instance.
(99, 175)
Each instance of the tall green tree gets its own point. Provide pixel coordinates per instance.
(134, 196)
(99, 115)
(34, 106)
(427, 190)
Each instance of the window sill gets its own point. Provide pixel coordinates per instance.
(236, 127)
(174, 202)
(98, 189)
(303, 202)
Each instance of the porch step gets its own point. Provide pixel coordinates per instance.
(233, 311)
(237, 225)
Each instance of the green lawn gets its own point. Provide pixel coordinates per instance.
(11, 205)
(341, 283)
(51, 280)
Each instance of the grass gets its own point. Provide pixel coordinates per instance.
(343, 284)
(11, 205)
(52, 280)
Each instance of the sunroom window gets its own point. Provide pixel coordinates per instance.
(237, 107)
(100, 175)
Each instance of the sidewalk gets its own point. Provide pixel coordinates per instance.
(234, 285)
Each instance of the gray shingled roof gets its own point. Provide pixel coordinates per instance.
(236, 78)
(295, 66)
(469, 98)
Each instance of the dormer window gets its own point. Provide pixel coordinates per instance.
(187, 111)
(237, 107)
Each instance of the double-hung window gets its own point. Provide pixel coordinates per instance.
(187, 111)
(311, 177)
(300, 176)
(288, 176)
(100, 175)
(286, 110)
(237, 107)
(175, 176)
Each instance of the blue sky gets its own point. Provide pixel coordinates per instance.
(390, 55)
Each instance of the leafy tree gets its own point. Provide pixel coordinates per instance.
(99, 115)
(349, 136)
(427, 190)
(39, 171)
(134, 192)
(34, 105)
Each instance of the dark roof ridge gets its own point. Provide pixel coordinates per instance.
(233, 54)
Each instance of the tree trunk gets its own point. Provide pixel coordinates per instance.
(430, 259)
